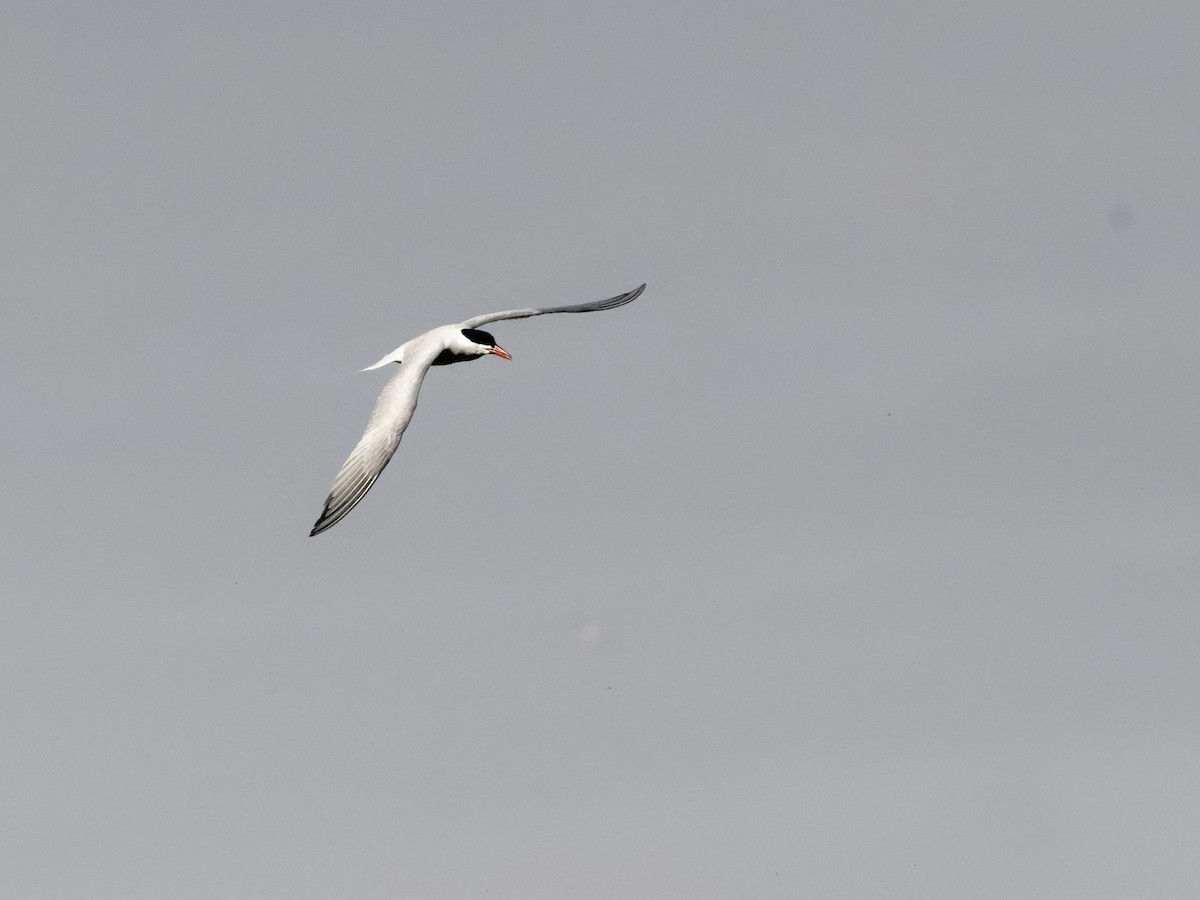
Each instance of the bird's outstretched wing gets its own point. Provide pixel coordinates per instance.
(610, 303)
(393, 411)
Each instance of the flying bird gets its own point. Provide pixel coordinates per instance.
(394, 408)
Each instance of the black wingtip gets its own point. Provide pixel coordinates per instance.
(622, 299)
(328, 520)
(324, 523)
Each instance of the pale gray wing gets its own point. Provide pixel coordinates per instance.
(393, 411)
(610, 303)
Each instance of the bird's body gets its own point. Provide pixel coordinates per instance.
(394, 409)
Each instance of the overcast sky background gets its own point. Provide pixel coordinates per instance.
(860, 557)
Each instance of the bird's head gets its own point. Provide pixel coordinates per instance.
(485, 343)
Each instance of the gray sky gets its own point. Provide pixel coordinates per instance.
(857, 558)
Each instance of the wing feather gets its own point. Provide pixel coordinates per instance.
(393, 411)
(594, 306)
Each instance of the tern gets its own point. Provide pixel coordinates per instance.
(398, 400)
